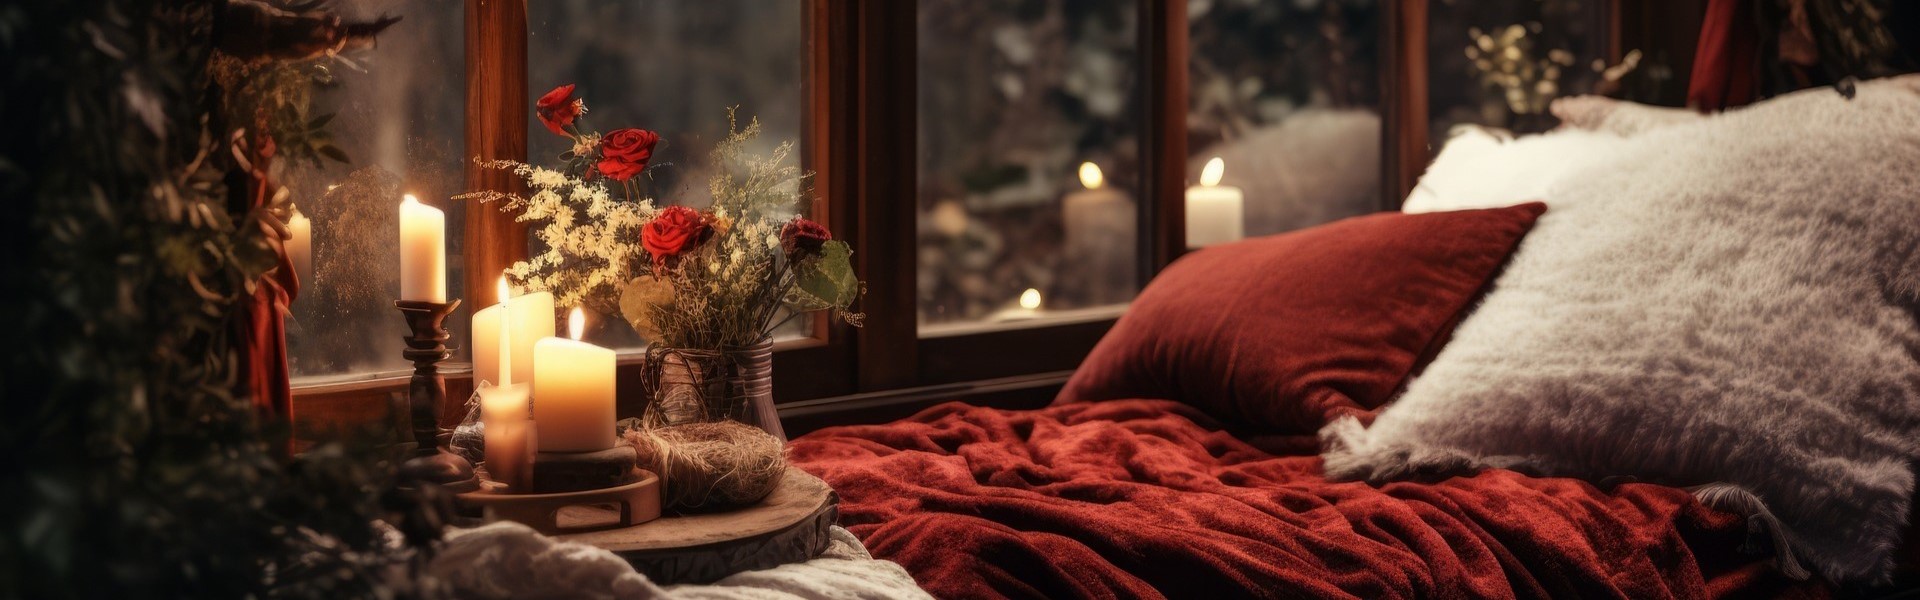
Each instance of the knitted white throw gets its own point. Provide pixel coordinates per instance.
(1728, 303)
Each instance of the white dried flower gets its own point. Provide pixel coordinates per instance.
(546, 178)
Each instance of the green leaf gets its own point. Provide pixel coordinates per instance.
(640, 298)
(829, 277)
(320, 121)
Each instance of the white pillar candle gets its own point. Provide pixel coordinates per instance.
(574, 382)
(300, 248)
(423, 252)
(1215, 213)
(509, 434)
(531, 319)
(1100, 237)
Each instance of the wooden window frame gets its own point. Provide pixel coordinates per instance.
(860, 138)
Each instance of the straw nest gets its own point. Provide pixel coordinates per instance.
(710, 465)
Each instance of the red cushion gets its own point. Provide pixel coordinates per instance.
(1284, 333)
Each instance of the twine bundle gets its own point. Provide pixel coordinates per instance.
(710, 465)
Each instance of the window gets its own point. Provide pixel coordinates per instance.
(1029, 164)
(1287, 96)
(401, 122)
(957, 143)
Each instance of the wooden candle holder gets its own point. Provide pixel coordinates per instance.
(427, 396)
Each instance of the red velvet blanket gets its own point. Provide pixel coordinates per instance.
(1145, 498)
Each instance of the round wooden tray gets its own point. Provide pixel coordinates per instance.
(790, 525)
(632, 503)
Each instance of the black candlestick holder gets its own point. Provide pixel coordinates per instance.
(427, 396)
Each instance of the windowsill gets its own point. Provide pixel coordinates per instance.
(350, 382)
(1012, 321)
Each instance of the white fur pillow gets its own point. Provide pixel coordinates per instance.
(1728, 303)
(1481, 168)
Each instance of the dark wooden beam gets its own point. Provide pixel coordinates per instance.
(1163, 142)
(1404, 145)
(496, 129)
(884, 192)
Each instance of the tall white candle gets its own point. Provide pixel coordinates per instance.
(300, 248)
(574, 382)
(423, 252)
(1215, 213)
(506, 334)
(530, 317)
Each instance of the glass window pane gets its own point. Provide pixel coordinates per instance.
(399, 117)
(1017, 99)
(1499, 62)
(1287, 96)
(673, 67)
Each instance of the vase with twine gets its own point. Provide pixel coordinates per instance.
(697, 386)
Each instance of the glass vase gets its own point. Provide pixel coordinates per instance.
(691, 386)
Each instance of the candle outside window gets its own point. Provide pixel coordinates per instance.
(1099, 222)
(1215, 213)
(574, 381)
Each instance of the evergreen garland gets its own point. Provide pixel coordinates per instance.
(132, 469)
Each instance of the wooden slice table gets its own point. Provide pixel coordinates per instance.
(788, 526)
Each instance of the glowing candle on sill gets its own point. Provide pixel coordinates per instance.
(300, 248)
(530, 317)
(423, 252)
(1215, 213)
(574, 382)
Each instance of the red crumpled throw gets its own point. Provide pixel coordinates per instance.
(1145, 498)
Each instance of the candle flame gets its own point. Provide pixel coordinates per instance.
(1090, 176)
(1030, 299)
(1211, 174)
(409, 199)
(576, 323)
(502, 289)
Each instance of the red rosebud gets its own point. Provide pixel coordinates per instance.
(558, 109)
(803, 238)
(675, 230)
(625, 152)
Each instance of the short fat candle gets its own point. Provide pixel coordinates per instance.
(423, 252)
(1215, 213)
(573, 392)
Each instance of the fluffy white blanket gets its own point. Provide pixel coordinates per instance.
(1729, 303)
(509, 560)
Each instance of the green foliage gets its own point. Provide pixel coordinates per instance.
(133, 469)
(826, 281)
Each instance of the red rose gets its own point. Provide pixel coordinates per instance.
(625, 152)
(675, 230)
(558, 109)
(801, 237)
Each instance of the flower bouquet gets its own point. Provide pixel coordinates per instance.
(706, 287)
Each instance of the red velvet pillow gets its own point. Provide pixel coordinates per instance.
(1284, 333)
